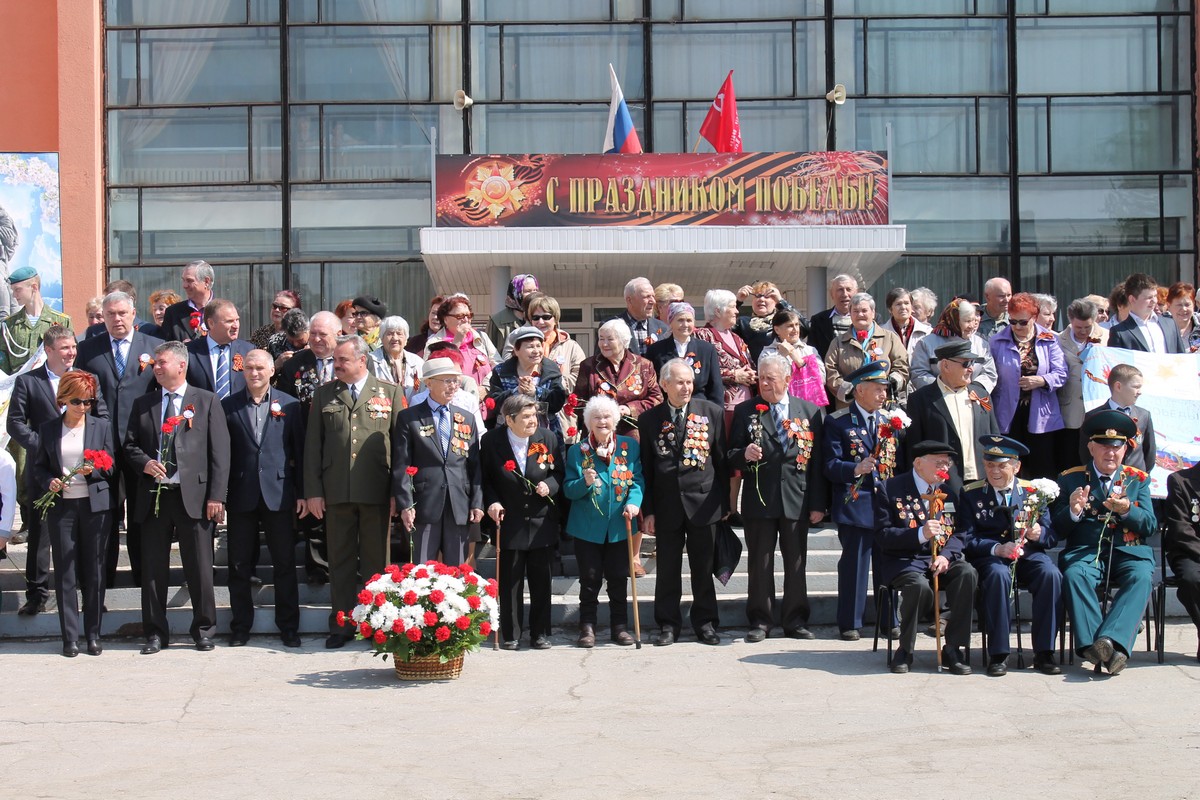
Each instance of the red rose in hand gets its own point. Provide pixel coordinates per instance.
(462, 623)
(510, 466)
(442, 633)
(410, 471)
(431, 618)
(437, 596)
(413, 634)
(380, 637)
(485, 628)
(365, 597)
(474, 602)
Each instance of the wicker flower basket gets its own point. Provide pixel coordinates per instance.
(428, 668)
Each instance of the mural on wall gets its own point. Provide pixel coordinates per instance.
(30, 235)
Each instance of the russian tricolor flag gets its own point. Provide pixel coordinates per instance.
(619, 137)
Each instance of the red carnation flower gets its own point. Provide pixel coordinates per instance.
(420, 572)
(572, 431)
(485, 628)
(862, 335)
(365, 597)
(380, 598)
(341, 618)
(943, 475)
(462, 623)
(410, 471)
(380, 637)
(194, 320)
(492, 588)
(471, 579)
(896, 423)
(437, 596)
(413, 634)
(410, 598)
(1030, 489)
(98, 459)
(398, 626)
(474, 602)
(365, 630)
(374, 578)
(761, 407)
(510, 466)
(431, 618)
(169, 425)
(489, 403)
(442, 633)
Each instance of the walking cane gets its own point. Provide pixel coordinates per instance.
(936, 500)
(637, 623)
(496, 638)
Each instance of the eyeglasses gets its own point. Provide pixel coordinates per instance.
(449, 381)
(281, 307)
(81, 401)
(1019, 322)
(466, 315)
(358, 312)
(541, 317)
(762, 297)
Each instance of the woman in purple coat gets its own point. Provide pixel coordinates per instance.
(1030, 367)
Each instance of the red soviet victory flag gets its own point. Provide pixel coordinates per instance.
(721, 126)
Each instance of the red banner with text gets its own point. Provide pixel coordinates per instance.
(822, 188)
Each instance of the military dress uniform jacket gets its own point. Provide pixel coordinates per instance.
(991, 523)
(1131, 531)
(455, 477)
(848, 440)
(1141, 453)
(530, 521)
(686, 477)
(790, 478)
(347, 448)
(19, 340)
(899, 514)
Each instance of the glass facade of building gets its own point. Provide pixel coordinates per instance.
(1049, 141)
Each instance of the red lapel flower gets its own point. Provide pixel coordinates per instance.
(510, 466)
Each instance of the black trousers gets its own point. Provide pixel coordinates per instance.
(671, 536)
(124, 488)
(1042, 461)
(37, 558)
(607, 561)
(916, 595)
(196, 550)
(77, 536)
(243, 555)
(1187, 572)
(516, 568)
(792, 536)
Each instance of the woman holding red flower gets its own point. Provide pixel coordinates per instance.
(74, 457)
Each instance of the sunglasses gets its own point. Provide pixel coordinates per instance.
(541, 317)
(762, 296)
(281, 307)
(79, 401)
(1019, 322)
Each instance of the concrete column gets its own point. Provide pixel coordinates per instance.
(818, 292)
(500, 277)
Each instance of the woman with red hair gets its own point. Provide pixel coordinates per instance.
(1181, 302)
(74, 459)
(1030, 366)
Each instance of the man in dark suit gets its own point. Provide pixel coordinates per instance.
(181, 494)
(184, 320)
(347, 474)
(954, 410)
(831, 323)
(775, 440)
(121, 360)
(266, 445)
(639, 316)
(445, 494)
(699, 355)
(1182, 544)
(683, 465)
(215, 361)
(119, 285)
(859, 453)
(996, 511)
(1143, 330)
(33, 404)
(906, 533)
(1125, 387)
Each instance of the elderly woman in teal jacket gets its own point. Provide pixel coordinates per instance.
(604, 484)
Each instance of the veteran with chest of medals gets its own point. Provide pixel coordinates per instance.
(1104, 514)
(1007, 540)
(920, 537)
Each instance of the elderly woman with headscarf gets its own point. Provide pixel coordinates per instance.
(700, 355)
(864, 343)
(512, 316)
(604, 484)
(527, 372)
(959, 320)
(392, 362)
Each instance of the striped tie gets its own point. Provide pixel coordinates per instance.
(223, 371)
(443, 429)
(777, 412)
(119, 356)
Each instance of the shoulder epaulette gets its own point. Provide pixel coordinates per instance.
(1073, 470)
(1024, 484)
(974, 485)
(841, 412)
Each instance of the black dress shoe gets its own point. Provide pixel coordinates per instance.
(93, 647)
(238, 639)
(707, 635)
(204, 644)
(32, 608)
(587, 636)
(893, 633)
(665, 638)
(998, 667)
(799, 633)
(153, 645)
(901, 662)
(1098, 652)
(952, 660)
(70, 649)
(755, 635)
(621, 636)
(290, 638)
(511, 644)
(1045, 664)
(540, 643)
(316, 577)
(335, 641)
(851, 635)
(1117, 663)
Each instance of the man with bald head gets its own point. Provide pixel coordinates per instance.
(639, 316)
(993, 316)
(266, 445)
(831, 323)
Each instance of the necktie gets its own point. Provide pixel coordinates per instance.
(1004, 497)
(119, 356)
(1104, 482)
(1124, 410)
(354, 393)
(777, 412)
(443, 428)
(171, 410)
(223, 371)
(326, 370)
(679, 427)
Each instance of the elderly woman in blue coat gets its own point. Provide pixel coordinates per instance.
(604, 484)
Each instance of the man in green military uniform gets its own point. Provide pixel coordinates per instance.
(1104, 515)
(20, 335)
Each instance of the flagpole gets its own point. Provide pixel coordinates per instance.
(698, 139)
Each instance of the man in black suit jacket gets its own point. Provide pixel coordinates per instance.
(139, 324)
(121, 360)
(683, 465)
(266, 446)
(639, 316)
(1142, 329)
(440, 440)
(954, 411)
(33, 404)
(775, 440)
(215, 361)
(181, 493)
(184, 320)
(827, 325)
(700, 356)
(1182, 541)
(1125, 387)
(905, 534)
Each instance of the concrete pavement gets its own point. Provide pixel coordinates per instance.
(781, 718)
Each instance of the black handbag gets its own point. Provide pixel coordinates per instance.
(726, 553)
